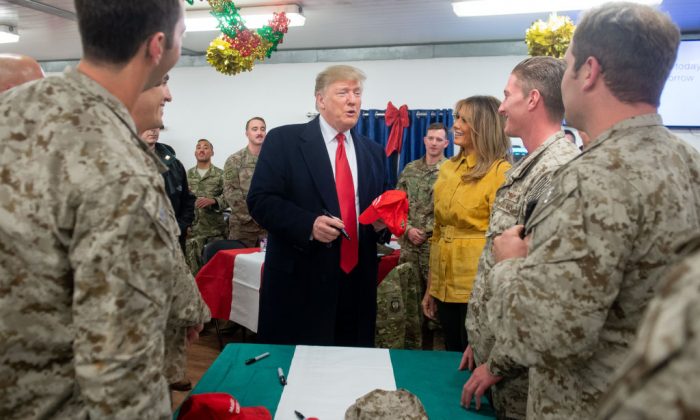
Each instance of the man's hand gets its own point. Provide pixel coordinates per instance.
(509, 245)
(476, 386)
(325, 229)
(193, 333)
(378, 225)
(429, 306)
(416, 236)
(204, 202)
(467, 359)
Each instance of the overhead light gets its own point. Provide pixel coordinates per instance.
(254, 17)
(517, 7)
(8, 34)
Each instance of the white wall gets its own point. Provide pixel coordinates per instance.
(210, 105)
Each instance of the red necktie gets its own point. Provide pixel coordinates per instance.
(346, 199)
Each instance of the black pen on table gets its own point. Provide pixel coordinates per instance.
(280, 375)
(299, 415)
(256, 358)
(341, 230)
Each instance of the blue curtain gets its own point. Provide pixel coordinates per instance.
(372, 124)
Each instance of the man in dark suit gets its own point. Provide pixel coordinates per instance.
(319, 287)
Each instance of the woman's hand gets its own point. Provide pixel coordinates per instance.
(429, 306)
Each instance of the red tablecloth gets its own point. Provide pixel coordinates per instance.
(215, 279)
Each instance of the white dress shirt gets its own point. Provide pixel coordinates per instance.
(331, 142)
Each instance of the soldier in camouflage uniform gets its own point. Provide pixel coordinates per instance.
(206, 182)
(238, 172)
(417, 180)
(659, 377)
(538, 123)
(398, 306)
(90, 267)
(567, 301)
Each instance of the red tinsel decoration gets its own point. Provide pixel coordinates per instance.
(280, 22)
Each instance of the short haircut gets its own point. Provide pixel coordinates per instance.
(543, 74)
(437, 126)
(635, 45)
(337, 73)
(211, 146)
(487, 134)
(247, 123)
(113, 31)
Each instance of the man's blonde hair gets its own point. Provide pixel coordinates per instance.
(337, 73)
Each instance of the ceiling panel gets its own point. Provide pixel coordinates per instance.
(329, 24)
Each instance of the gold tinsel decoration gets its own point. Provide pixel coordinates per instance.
(550, 38)
(226, 59)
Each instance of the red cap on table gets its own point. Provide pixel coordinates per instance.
(392, 208)
(219, 406)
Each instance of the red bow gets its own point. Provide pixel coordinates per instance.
(397, 119)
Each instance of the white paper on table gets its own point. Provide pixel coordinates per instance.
(245, 301)
(324, 381)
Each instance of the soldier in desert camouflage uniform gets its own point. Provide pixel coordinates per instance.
(238, 172)
(568, 300)
(206, 182)
(417, 179)
(533, 109)
(659, 378)
(90, 267)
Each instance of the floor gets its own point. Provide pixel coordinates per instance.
(203, 353)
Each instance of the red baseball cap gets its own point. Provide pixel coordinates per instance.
(219, 406)
(392, 208)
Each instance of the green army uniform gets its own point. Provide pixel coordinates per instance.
(417, 180)
(601, 239)
(238, 172)
(91, 270)
(525, 181)
(398, 304)
(209, 224)
(659, 377)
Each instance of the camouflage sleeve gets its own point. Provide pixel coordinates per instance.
(233, 192)
(187, 306)
(550, 306)
(401, 185)
(220, 199)
(659, 377)
(119, 246)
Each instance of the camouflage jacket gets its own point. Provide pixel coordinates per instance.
(417, 179)
(89, 262)
(524, 183)
(601, 239)
(208, 221)
(238, 172)
(659, 378)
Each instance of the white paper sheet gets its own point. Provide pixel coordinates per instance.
(245, 299)
(324, 381)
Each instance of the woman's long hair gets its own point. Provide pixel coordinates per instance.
(487, 134)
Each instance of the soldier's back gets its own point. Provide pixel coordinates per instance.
(659, 378)
(73, 171)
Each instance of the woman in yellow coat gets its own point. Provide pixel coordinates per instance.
(464, 193)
